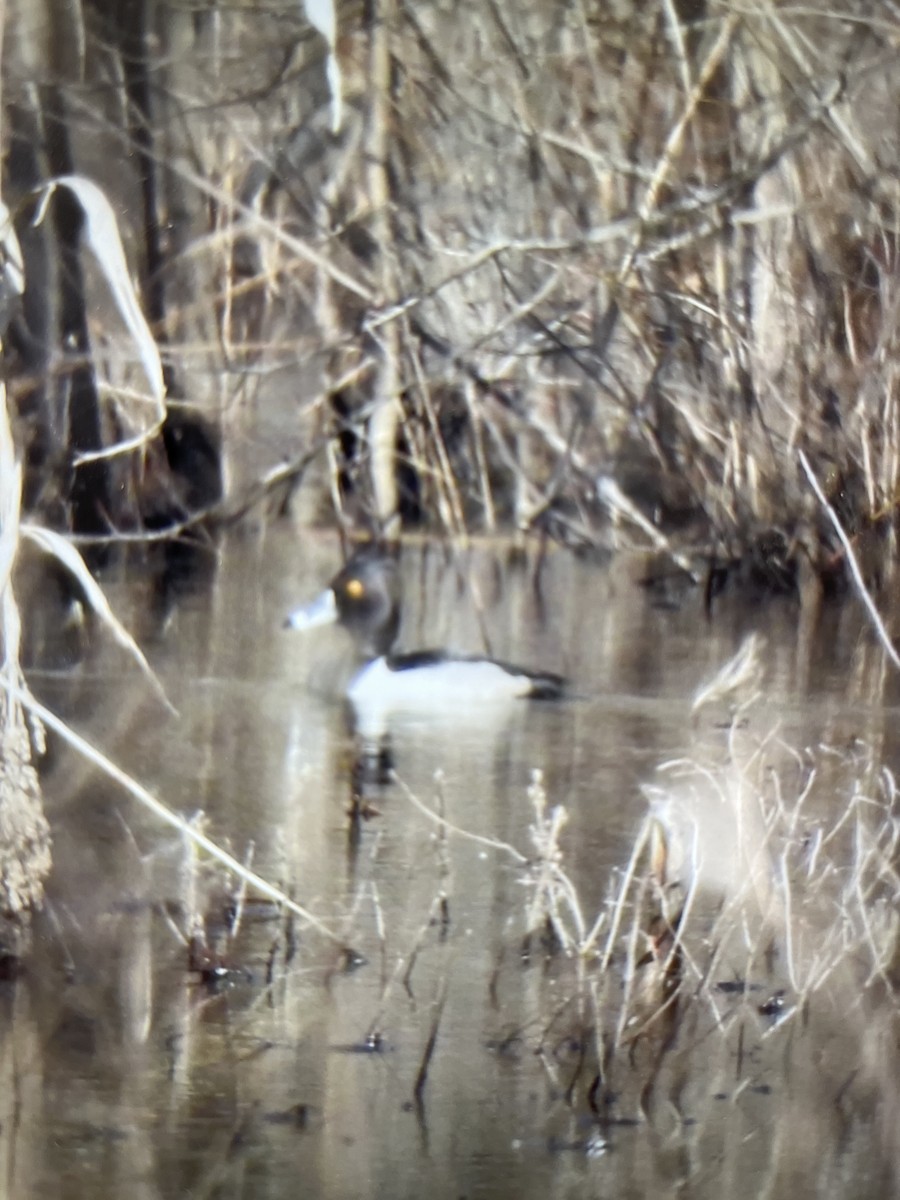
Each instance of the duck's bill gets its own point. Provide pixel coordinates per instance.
(321, 611)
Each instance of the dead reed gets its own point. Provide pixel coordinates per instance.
(532, 270)
(762, 891)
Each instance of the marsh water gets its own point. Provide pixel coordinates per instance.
(290, 1065)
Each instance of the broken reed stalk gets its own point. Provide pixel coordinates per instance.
(856, 573)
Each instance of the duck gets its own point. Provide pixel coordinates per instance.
(365, 599)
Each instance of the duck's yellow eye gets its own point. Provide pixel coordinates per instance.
(355, 589)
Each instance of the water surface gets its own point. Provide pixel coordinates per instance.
(127, 1072)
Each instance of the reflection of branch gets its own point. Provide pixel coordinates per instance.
(868, 602)
(166, 814)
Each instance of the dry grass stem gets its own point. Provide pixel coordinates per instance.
(159, 810)
(856, 573)
(456, 830)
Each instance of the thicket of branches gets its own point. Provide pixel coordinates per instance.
(559, 259)
(559, 263)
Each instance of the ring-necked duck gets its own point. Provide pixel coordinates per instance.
(365, 599)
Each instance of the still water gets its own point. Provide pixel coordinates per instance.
(128, 1070)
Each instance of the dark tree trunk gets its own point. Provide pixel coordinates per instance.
(132, 21)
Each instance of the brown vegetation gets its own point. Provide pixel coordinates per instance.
(592, 273)
(605, 276)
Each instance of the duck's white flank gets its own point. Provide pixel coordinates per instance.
(455, 689)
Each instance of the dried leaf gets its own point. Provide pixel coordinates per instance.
(102, 234)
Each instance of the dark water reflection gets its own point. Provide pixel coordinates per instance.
(125, 1075)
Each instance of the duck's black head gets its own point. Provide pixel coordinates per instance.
(364, 597)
